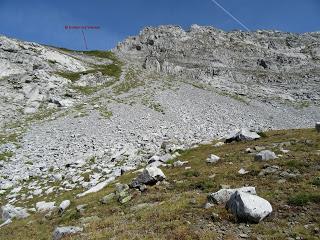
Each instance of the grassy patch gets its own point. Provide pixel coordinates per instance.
(42, 114)
(131, 81)
(302, 199)
(105, 113)
(6, 155)
(9, 138)
(102, 54)
(153, 105)
(72, 76)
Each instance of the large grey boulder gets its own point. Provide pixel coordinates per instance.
(61, 232)
(242, 135)
(265, 155)
(9, 212)
(223, 195)
(149, 176)
(248, 208)
(318, 127)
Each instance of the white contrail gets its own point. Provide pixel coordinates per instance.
(233, 17)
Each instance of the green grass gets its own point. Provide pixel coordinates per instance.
(102, 54)
(105, 113)
(9, 138)
(6, 155)
(42, 114)
(72, 76)
(302, 199)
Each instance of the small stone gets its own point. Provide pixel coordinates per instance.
(213, 159)
(208, 205)
(249, 150)
(244, 235)
(57, 177)
(179, 163)
(243, 171)
(37, 192)
(49, 190)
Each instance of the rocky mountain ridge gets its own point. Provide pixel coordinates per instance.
(261, 64)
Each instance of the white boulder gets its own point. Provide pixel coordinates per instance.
(242, 135)
(248, 208)
(213, 159)
(45, 206)
(265, 155)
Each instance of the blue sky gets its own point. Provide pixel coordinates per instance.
(43, 21)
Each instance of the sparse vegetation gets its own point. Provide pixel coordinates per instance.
(316, 181)
(6, 155)
(131, 81)
(178, 212)
(302, 199)
(105, 112)
(9, 138)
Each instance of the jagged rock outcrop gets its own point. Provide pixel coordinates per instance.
(261, 64)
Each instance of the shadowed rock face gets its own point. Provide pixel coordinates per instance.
(265, 64)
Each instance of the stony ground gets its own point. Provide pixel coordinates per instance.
(88, 117)
(175, 209)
